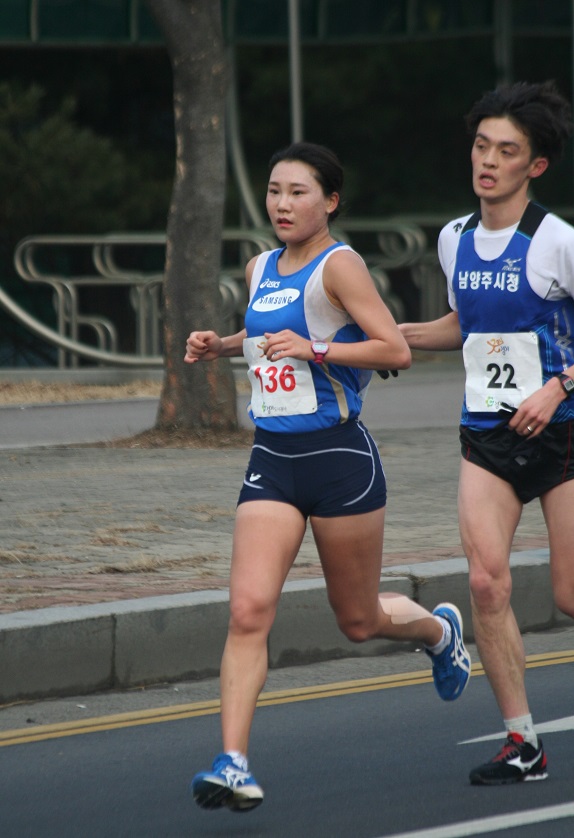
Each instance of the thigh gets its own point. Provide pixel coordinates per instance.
(266, 540)
(557, 506)
(489, 512)
(351, 549)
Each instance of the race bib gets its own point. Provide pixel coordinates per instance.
(278, 388)
(500, 368)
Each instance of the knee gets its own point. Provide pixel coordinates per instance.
(356, 629)
(490, 592)
(250, 614)
(564, 599)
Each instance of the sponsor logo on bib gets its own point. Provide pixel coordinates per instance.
(278, 299)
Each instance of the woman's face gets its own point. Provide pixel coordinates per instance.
(296, 205)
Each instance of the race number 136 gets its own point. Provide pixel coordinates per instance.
(275, 378)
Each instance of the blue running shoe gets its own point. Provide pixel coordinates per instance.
(451, 667)
(229, 783)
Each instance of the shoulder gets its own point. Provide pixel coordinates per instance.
(550, 259)
(553, 240)
(449, 238)
(341, 258)
(260, 259)
(256, 265)
(341, 272)
(555, 229)
(452, 230)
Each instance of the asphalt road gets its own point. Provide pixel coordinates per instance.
(341, 751)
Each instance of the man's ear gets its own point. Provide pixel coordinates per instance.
(538, 166)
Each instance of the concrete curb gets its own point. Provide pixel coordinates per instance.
(78, 650)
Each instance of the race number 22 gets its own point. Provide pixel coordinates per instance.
(502, 378)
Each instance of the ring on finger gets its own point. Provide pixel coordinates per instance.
(529, 429)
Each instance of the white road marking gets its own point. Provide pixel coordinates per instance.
(557, 726)
(485, 825)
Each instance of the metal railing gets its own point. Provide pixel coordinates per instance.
(144, 285)
(108, 262)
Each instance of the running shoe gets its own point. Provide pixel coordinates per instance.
(229, 783)
(517, 761)
(451, 667)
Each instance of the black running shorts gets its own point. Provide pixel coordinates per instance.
(326, 473)
(532, 466)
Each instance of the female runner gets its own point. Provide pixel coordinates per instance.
(315, 328)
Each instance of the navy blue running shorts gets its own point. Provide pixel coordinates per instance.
(532, 466)
(326, 473)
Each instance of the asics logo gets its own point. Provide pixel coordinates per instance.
(235, 777)
(458, 657)
(269, 283)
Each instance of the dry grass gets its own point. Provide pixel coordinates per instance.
(37, 392)
(148, 564)
(205, 438)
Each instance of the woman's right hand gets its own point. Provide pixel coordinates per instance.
(202, 346)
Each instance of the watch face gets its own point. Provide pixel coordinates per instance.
(319, 346)
(568, 384)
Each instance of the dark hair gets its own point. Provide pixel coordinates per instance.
(539, 110)
(325, 163)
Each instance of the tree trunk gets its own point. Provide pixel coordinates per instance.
(198, 396)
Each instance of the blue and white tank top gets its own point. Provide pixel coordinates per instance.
(293, 396)
(513, 339)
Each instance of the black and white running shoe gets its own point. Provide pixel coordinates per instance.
(516, 762)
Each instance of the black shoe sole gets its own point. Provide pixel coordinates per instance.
(210, 796)
(523, 778)
(246, 804)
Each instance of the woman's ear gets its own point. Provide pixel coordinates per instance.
(332, 202)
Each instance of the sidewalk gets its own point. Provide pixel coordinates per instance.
(114, 562)
(90, 525)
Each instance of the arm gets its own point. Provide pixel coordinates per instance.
(550, 263)
(207, 346)
(441, 334)
(349, 287)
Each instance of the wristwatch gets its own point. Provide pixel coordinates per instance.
(566, 383)
(320, 349)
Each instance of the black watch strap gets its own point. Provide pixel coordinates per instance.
(566, 383)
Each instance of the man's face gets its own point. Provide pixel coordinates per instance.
(502, 161)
